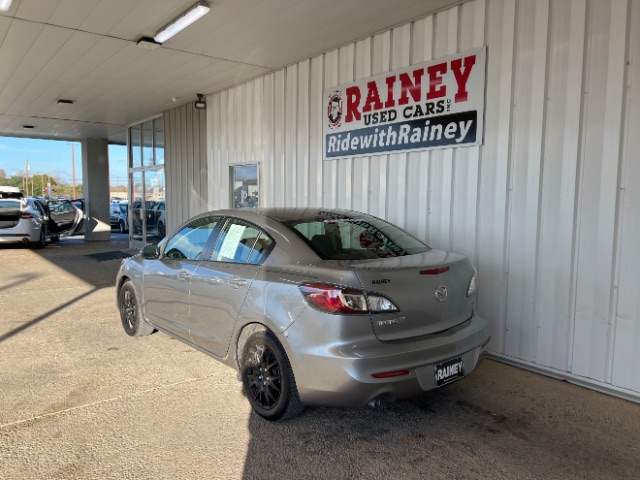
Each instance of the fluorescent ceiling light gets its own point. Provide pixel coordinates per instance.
(5, 5)
(182, 22)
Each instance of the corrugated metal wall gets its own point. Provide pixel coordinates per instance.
(548, 208)
(185, 163)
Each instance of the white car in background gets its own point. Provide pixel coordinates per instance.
(24, 220)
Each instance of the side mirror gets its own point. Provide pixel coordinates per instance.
(151, 251)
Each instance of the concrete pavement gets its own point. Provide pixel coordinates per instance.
(80, 399)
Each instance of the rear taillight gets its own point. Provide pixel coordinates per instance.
(27, 215)
(337, 299)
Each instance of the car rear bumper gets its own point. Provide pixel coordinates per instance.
(20, 234)
(342, 375)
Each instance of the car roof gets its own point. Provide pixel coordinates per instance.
(285, 214)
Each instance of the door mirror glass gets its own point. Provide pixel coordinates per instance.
(150, 251)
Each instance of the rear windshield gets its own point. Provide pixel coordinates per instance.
(356, 238)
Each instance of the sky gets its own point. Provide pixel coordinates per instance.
(53, 157)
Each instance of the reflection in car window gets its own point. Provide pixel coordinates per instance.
(241, 243)
(356, 238)
(189, 242)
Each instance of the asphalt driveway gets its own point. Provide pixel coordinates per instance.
(80, 399)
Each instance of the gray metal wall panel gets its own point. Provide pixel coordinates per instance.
(537, 207)
(185, 163)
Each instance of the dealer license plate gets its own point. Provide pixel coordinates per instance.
(449, 371)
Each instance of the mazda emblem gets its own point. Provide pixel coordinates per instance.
(441, 293)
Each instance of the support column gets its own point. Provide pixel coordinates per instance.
(95, 170)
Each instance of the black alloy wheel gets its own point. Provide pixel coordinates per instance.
(267, 378)
(130, 314)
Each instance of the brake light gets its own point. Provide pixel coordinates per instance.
(397, 373)
(27, 215)
(337, 299)
(434, 271)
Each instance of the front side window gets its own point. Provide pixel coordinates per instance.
(241, 243)
(357, 238)
(190, 242)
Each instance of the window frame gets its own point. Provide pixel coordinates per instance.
(206, 251)
(227, 221)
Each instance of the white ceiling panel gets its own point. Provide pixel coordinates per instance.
(85, 51)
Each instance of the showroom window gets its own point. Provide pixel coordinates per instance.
(147, 186)
(245, 189)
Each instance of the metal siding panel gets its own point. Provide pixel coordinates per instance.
(378, 172)
(302, 141)
(223, 187)
(316, 105)
(494, 169)
(599, 178)
(291, 135)
(213, 149)
(627, 321)
(529, 111)
(280, 106)
(255, 135)
(362, 61)
(344, 167)
(556, 272)
(422, 52)
(329, 167)
(466, 165)
(267, 183)
(397, 172)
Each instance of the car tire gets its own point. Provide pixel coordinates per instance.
(267, 378)
(162, 232)
(121, 226)
(42, 241)
(131, 313)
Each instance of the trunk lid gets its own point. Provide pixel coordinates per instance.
(410, 282)
(10, 211)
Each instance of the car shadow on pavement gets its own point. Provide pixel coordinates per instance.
(485, 426)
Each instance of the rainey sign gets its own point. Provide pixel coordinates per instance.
(434, 104)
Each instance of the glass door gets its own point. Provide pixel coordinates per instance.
(147, 216)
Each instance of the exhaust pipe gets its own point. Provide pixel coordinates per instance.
(375, 403)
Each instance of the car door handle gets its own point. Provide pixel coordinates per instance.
(184, 275)
(237, 282)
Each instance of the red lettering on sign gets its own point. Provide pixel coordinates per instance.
(391, 102)
(462, 77)
(436, 89)
(373, 98)
(353, 104)
(413, 88)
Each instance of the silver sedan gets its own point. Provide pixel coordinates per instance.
(310, 306)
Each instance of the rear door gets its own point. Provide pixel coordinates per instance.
(220, 285)
(65, 217)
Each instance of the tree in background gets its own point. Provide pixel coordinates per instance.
(38, 185)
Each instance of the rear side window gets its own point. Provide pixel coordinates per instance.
(356, 238)
(240, 242)
(190, 242)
